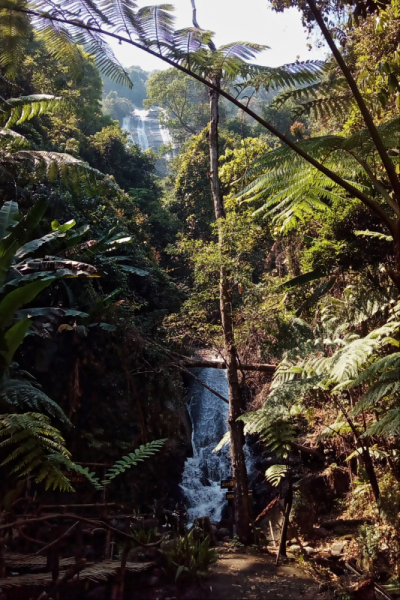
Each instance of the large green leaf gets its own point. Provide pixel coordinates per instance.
(8, 212)
(32, 246)
(6, 261)
(14, 300)
(302, 279)
(14, 337)
(21, 232)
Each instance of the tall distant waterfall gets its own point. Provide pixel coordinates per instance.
(145, 129)
(203, 472)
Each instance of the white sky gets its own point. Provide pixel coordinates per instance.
(234, 20)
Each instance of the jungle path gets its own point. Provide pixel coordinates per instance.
(237, 576)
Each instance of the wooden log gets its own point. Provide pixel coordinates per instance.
(220, 364)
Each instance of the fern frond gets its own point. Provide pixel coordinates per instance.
(292, 189)
(37, 442)
(224, 441)
(156, 26)
(375, 234)
(15, 29)
(21, 396)
(275, 474)
(132, 459)
(388, 426)
(15, 111)
(71, 171)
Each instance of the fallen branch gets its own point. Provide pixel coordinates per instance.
(65, 534)
(266, 510)
(305, 450)
(210, 389)
(376, 585)
(220, 364)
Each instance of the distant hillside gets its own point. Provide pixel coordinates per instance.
(137, 94)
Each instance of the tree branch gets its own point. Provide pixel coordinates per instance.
(210, 389)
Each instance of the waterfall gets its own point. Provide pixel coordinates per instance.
(203, 472)
(141, 129)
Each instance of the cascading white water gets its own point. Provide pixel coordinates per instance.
(141, 128)
(203, 472)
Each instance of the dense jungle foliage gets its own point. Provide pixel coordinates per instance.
(110, 278)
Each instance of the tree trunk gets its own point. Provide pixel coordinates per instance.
(369, 467)
(288, 508)
(235, 410)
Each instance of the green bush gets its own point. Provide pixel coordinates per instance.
(188, 558)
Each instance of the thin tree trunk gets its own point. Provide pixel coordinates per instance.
(369, 467)
(235, 409)
(236, 427)
(288, 508)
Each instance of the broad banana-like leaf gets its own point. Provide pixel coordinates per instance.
(56, 226)
(8, 212)
(32, 246)
(13, 339)
(31, 313)
(14, 300)
(55, 263)
(6, 261)
(22, 230)
(302, 279)
(20, 280)
(134, 270)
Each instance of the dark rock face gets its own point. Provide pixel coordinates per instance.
(320, 490)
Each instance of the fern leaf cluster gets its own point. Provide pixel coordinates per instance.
(31, 444)
(290, 190)
(15, 111)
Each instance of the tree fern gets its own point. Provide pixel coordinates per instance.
(290, 190)
(31, 443)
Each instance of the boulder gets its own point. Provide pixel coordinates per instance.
(167, 545)
(337, 548)
(221, 533)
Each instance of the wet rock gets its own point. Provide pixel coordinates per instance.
(167, 545)
(135, 554)
(337, 548)
(321, 532)
(226, 538)
(98, 593)
(88, 553)
(221, 533)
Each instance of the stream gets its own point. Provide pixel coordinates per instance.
(203, 472)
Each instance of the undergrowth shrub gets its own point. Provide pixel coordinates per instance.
(188, 558)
